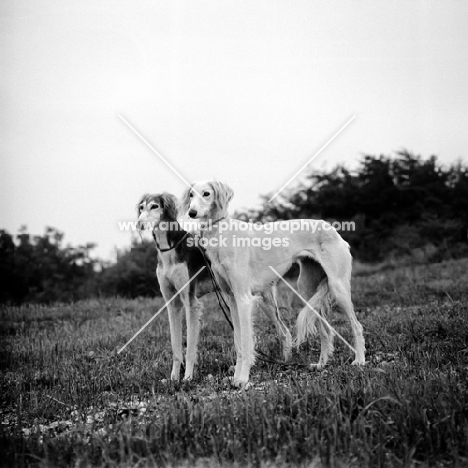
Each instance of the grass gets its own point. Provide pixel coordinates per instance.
(68, 399)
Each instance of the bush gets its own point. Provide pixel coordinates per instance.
(398, 205)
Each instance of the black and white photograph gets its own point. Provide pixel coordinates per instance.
(234, 233)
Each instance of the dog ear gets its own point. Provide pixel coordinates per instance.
(184, 203)
(222, 195)
(142, 199)
(169, 206)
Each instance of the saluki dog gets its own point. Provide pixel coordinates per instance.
(178, 261)
(241, 260)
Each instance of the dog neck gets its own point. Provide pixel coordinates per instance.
(167, 240)
(211, 229)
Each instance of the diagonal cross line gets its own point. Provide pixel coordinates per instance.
(160, 310)
(313, 310)
(312, 158)
(164, 160)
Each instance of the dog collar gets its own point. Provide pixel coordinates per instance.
(216, 221)
(172, 246)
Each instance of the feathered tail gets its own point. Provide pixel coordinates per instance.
(322, 303)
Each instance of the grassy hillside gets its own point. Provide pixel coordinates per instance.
(69, 399)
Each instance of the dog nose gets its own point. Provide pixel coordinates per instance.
(140, 225)
(192, 213)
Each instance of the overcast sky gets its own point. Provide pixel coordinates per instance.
(243, 91)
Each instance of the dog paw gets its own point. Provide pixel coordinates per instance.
(359, 362)
(240, 384)
(316, 367)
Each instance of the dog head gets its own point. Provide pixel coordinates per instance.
(207, 200)
(153, 209)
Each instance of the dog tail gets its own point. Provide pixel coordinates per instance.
(321, 302)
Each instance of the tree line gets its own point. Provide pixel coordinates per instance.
(402, 207)
(41, 269)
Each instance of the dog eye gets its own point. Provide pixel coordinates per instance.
(140, 208)
(191, 195)
(206, 194)
(154, 207)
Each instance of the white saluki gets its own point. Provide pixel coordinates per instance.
(241, 255)
(179, 259)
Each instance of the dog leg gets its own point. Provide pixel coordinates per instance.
(193, 312)
(237, 339)
(271, 310)
(175, 324)
(341, 291)
(244, 304)
(326, 346)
